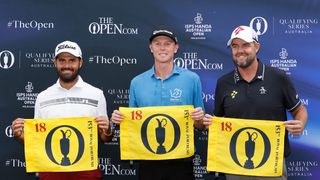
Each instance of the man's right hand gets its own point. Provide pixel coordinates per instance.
(207, 120)
(116, 117)
(18, 129)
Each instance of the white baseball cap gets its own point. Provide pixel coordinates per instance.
(245, 33)
(69, 47)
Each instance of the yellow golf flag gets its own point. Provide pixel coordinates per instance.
(61, 144)
(156, 133)
(246, 147)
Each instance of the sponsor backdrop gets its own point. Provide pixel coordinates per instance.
(114, 36)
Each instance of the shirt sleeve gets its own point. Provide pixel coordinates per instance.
(218, 101)
(37, 113)
(198, 102)
(292, 99)
(102, 105)
(132, 97)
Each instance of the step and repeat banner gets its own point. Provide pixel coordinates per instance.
(114, 37)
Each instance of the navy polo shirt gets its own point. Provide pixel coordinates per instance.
(268, 96)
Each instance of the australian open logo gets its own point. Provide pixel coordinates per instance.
(250, 138)
(6, 59)
(198, 28)
(160, 126)
(64, 137)
(284, 62)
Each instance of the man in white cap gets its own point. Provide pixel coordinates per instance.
(70, 96)
(262, 92)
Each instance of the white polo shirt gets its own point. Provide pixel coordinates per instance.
(81, 100)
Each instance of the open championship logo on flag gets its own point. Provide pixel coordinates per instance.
(246, 147)
(156, 133)
(61, 144)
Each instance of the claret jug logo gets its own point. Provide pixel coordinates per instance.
(6, 59)
(158, 126)
(156, 133)
(259, 24)
(246, 141)
(59, 142)
(246, 146)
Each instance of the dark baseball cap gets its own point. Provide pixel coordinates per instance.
(162, 31)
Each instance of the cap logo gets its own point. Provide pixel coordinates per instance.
(237, 31)
(65, 46)
(161, 31)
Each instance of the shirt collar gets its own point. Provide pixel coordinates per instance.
(176, 70)
(79, 83)
(259, 75)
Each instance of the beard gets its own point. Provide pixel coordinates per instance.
(245, 63)
(68, 78)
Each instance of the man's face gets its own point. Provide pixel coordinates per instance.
(67, 66)
(163, 49)
(244, 53)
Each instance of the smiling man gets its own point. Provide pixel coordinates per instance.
(165, 84)
(70, 96)
(256, 91)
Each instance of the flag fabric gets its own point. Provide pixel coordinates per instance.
(156, 133)
(246, 147)
(61, 144)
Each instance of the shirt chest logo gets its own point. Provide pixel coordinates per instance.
(262, 90)
(233, 94)
(175, 94)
